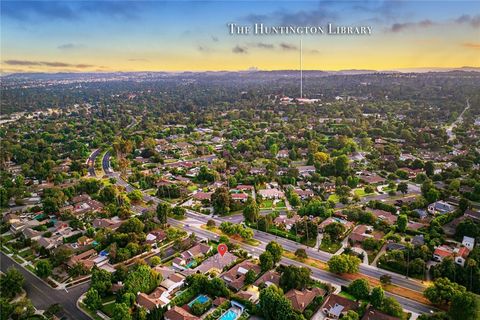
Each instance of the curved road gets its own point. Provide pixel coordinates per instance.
(91, 163)
(43, 296)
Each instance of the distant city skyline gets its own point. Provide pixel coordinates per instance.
(109, 36)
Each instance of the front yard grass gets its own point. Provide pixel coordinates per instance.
(330, 247)
(334, 197)
(266, 204)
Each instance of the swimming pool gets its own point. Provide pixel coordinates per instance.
(200, 299)
(229, 315)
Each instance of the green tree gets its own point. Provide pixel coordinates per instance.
(163, 211)
(101, 280)
(341, 165)
(443, 291)
(385, 279)
(43, 268)
(301, 254)
(266, 261)
(402, 187)
(121, 312)
(250, 277)
(11, 283)
(359, 288)
(335, 230)
(429, 168)
(251, 210)
(344, 263)
(179, 212)
(132, 225)
(142, 279)
(136, 195)
(392, 307)
(465, 306)
(92, 300)
(221, 201)
(402, 222)
(275, 306)
(294, 277)
(276, 250)
(155, 261)
(377, 296)
(351, 315)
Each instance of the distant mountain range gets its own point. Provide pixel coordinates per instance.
(285, 73)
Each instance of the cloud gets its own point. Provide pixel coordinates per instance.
(397, 27)
(262, 45)
(214, 39)
(203, 48)
(254, 18)
(471, 45)
(137, 59)
(67, 10)
(473, 21)
(69, 46)
(54, 64)
(238, 49)
(304, 18)
(287, 46)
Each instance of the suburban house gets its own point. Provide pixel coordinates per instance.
(29, 233)
(468, 242)
(88, 259)
(158, 298)
(336, 306)
(282, 154)
(107, 223)
(216, 263)
(155, 236)
(386, 216)
(347, 224)
(270, 277)
(301, 299)
(362, 232)
(304, 194)
(287, 222)
(461, 256)
(475, 215)
(271, 193)
(235, 277)
(440, 207)
(173, 282)
(203, 196)
(177, 313)
(190, 255)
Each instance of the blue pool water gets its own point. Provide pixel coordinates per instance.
(200, 299)
(229, 315)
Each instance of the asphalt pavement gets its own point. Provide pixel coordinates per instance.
(43, 296)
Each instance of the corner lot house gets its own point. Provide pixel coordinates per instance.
(301, 299)
(177, 313)
(440, 207)
(336, 306)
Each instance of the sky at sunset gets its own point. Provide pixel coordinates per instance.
(85, 36)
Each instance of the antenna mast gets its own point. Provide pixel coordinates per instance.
(301, 69)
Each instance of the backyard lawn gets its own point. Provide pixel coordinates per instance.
(266, 204)
(333, 197)
(361, 192)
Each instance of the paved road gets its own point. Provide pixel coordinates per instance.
(91, 163)
(449, 130)
(43, 296)
(321, 255)
(289, 245)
